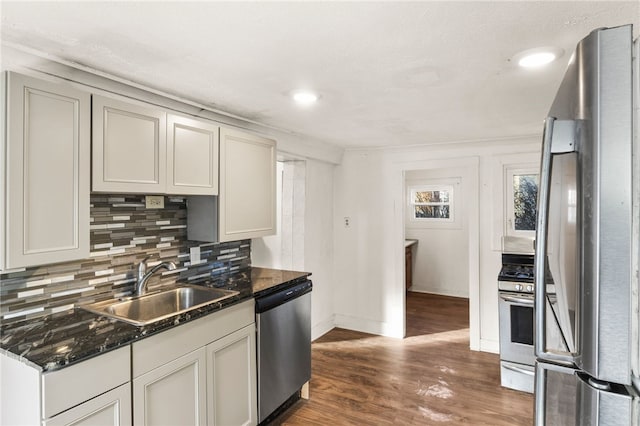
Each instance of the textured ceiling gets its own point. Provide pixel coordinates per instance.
(389, 73)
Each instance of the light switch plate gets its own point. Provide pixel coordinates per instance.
(154, 201)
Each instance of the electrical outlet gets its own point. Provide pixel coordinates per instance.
(347, 222)
(154, 201)
(194, 255)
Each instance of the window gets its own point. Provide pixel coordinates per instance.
(431, 203)
(521, 201)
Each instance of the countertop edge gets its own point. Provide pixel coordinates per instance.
(21, 359)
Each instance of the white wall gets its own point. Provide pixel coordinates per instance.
(305, 236)
(267, 251)
(369, 255)
(441, 256)
(318, 243)
(285, 249)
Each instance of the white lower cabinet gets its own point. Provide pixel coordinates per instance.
(231, 379)
(110, 409)
(202, 372)
(92, 392)
(199, 373)
(174, 394)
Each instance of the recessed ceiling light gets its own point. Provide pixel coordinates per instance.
(538, 57)
(305, 98)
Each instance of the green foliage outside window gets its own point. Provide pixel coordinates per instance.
(525, 196)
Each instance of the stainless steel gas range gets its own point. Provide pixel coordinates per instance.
(516, 314)
(516, 310)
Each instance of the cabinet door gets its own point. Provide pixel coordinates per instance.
(247, 186)
(192, 156)
(129, 147)
(47, 172)
(231, 379)
(174, 394)
(110, 408)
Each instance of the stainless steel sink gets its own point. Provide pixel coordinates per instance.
(153, 307)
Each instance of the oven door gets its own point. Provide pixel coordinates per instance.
(516, 327)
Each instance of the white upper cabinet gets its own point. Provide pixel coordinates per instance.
(47, 173)
(138, 148)
(247, 202)
(192, 156)
(129, 147)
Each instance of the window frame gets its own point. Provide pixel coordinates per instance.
(412, 189)
(509, 202)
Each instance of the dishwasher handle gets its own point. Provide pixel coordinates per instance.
(273, 300)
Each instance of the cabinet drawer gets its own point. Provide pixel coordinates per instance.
(111, 408)
(65, 388)
(164, 347)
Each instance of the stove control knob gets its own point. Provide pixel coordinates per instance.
(518, 287)
(530, 288)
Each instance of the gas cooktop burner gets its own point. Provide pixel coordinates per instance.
(517, 267)
(517, 273)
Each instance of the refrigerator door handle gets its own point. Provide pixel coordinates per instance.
(558, 138)
(540, 391)
(552, 383)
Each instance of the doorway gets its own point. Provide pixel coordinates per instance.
(440, 212)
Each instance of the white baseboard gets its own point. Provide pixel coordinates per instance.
(381, 329)
(322, 327)
(438, 292)
(368, 326)
(492, 346)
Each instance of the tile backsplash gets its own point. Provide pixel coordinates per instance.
(123, 232)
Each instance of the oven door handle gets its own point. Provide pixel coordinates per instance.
(528, 301)
(518, 369)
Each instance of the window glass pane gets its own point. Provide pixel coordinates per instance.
(525, 195)
(432, 212)
(431, 197)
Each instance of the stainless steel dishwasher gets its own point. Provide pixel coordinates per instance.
(283, 319)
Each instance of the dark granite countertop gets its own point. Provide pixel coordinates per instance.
(265, 281)
(65, 338)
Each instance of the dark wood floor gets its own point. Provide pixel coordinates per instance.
(429, 378)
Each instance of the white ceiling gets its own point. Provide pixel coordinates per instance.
(389, 73)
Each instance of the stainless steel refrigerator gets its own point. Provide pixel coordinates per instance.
(588, 237)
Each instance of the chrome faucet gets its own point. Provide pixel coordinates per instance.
(143, 275)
